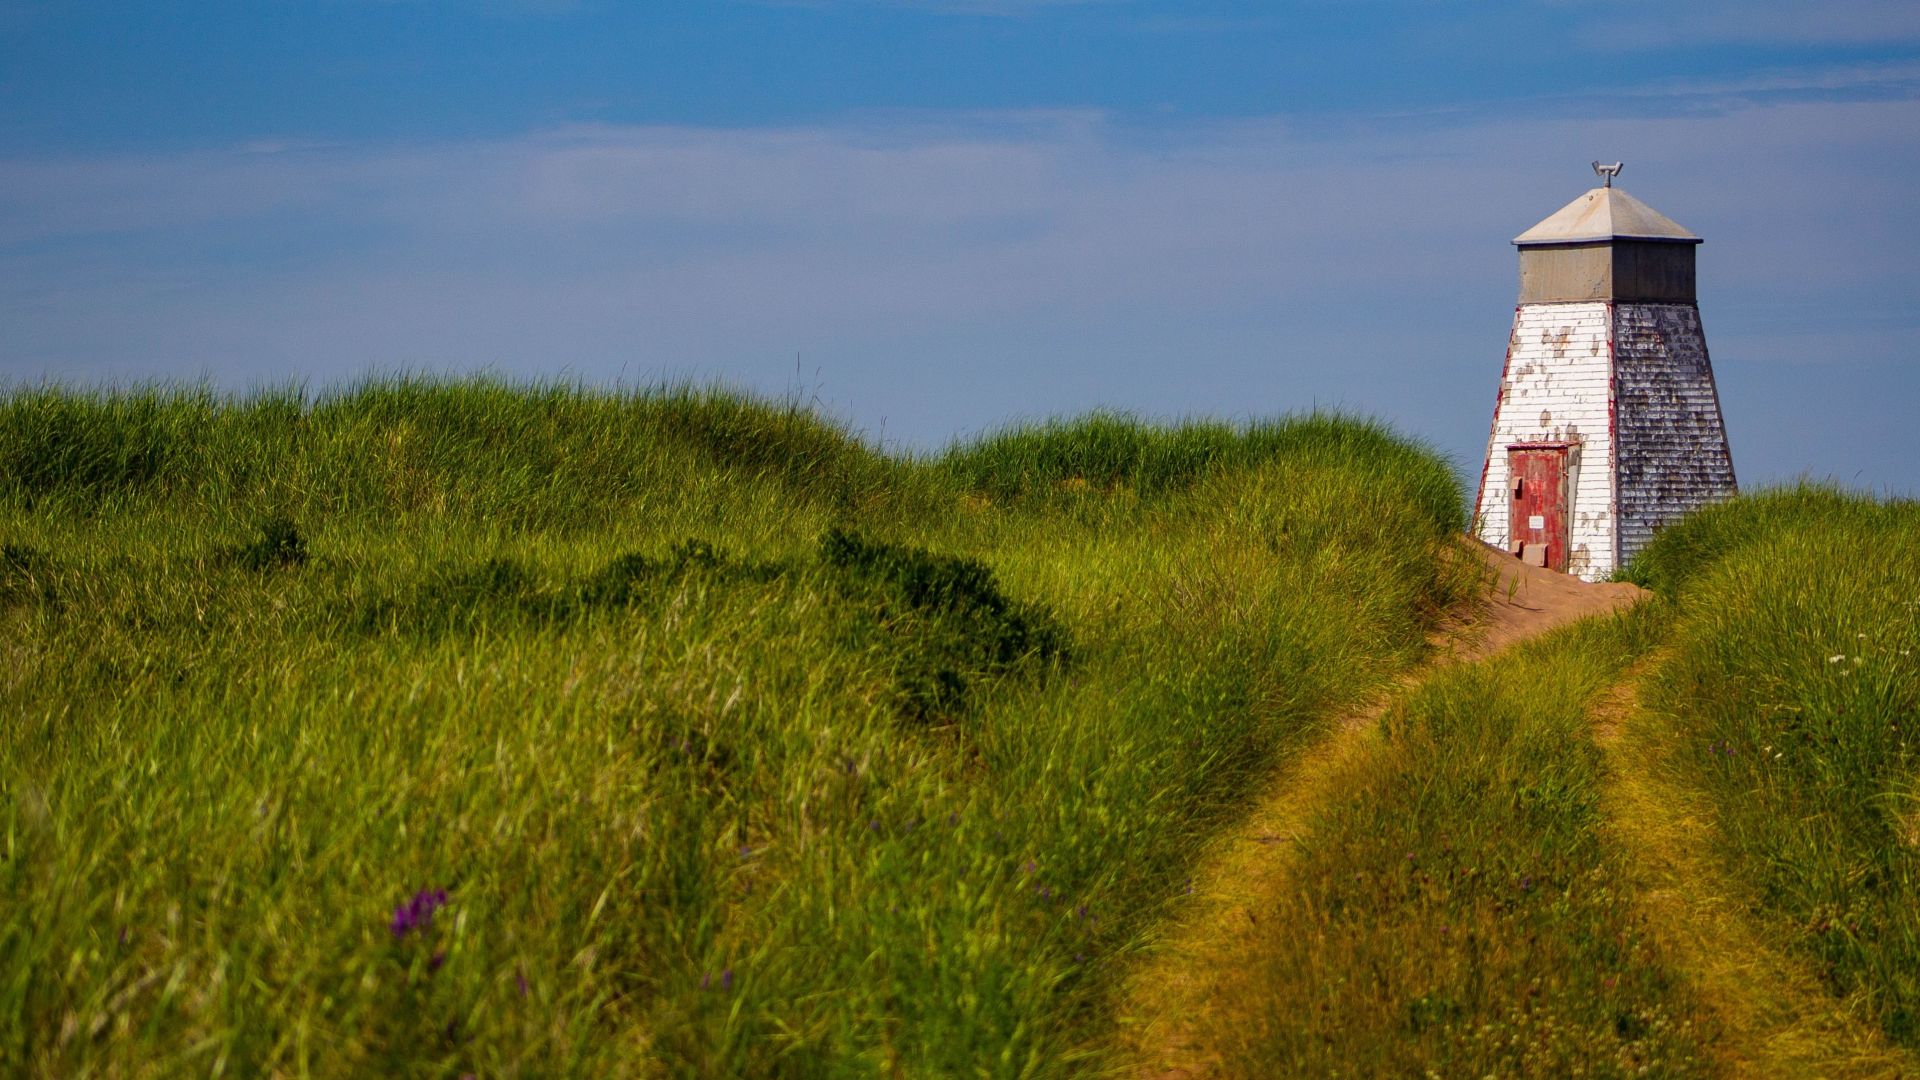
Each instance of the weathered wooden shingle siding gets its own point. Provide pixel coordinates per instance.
(1556, 389)
(1671, 445)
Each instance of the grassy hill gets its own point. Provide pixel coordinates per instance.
(429, 729)
(433, 729)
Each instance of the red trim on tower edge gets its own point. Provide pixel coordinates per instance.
(1613, 439)
(1493, 428)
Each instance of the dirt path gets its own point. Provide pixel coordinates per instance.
(1180, 974)
(1777, 1019)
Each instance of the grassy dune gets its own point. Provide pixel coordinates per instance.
(1790, 704)
(429, 729)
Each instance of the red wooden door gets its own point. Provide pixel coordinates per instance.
(1538, 521)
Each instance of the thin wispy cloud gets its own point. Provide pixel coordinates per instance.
(957, 7)
(1650, 24)
(1892, 78)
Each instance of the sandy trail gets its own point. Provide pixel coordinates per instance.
(1178, 977)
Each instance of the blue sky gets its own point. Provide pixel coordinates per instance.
(936, 217)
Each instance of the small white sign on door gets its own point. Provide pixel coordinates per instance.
(1537, 521)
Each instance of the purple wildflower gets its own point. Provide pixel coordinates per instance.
(437, 959)
(520, 980)
(417, 913)
(726, 979)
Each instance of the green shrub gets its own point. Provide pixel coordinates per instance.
(950, 622)
(280, 544)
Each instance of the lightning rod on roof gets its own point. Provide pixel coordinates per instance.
(1607, 172)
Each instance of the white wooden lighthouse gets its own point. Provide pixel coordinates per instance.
(1608, 424)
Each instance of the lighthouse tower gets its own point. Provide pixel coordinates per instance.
(1608, 424)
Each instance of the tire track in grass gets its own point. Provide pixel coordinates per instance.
(1201, 955)
(1777, 1019)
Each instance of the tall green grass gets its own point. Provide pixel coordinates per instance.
(1459, 912)
(1706, 538)
(736, 747)
(1105, 450)
(1792, 701)
(540, 457)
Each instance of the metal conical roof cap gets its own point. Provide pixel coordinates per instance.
(1605, 213)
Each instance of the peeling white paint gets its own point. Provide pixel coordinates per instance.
(1556, 389)
(1629, 388)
